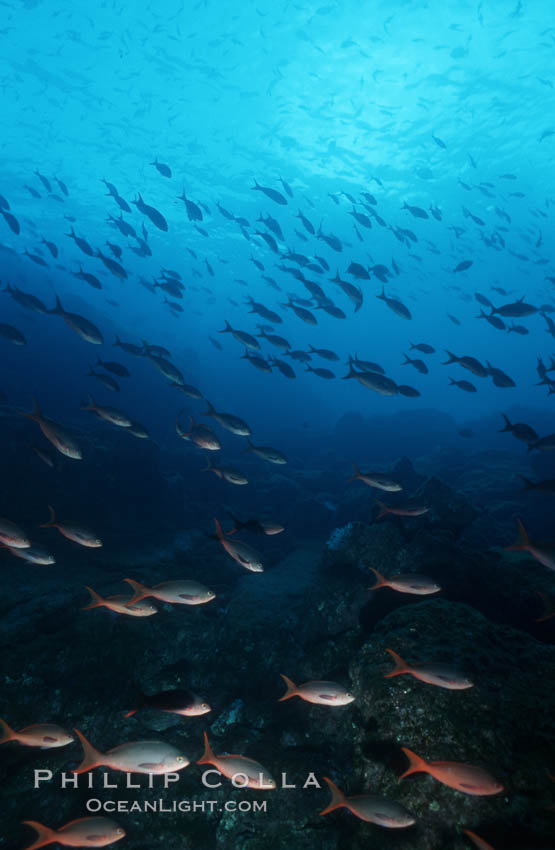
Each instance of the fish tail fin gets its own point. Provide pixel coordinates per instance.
(58, 309)
(250, 448)
(416, 763)
(412, 345)
(338, 799)
(451, 382)
(208, 754)
(452, 358)
(356, 473)
(380, 580)
(384, 509)
(210, 408)
(407, 359)
(219, 531)
(91, 756)
(139, 591)
(8, 733)
(45, 835)
(51, 518)
(227, 328)
(291, 688)
(96, 600)
(528, 485)
(400, 665)
(522, 541)
(209, 465)
(236, 523)
(508, 425)
(130, 713)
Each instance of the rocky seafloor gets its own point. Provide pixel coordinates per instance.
(310, 615)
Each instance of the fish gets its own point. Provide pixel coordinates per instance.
(242, 336)
(520, 430)
(467, 386)
(373, 381)
(109, 414)
(154, 757)
(479, 842)
(369, 808)
(152, 213)
(432, 673)
(257, 526)
(270, 193)
(162, 168)
(89, 278)
(54, 433)
(244, 554)
(107, 380)
(417, 212)
(32, 554)
(81, 243)
(83, 832)
(12, 536)
(410, 392)
(178, 701)
(202, 436)
(267, 453)
(167, 369)
(194, 212)
(318, 693)
(119, 605)
(545, 486)
(376, 479)
(112, 265)
(26, 300)
(11, 221)
(76, 533)
(228, 421)
(542, 552)
(322, 373)
(308, 226)
(11, 334)
(544, 444)
(463, 777)
(401, 510)
(467, 362)
(51, 247)
(176, 592)
(116, 368)
(395, 305)
(226, 473)
(83, 327)
(130, 348)
(516, 310)
(463, 266)
(419, 365)
(423, 347)
(410, 583)
(325, 353)
(44, 735)
(246, 772)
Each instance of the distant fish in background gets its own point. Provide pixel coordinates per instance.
(410, 583)
(542, 552)
(179, 701)
(479, 842)
(162, 168)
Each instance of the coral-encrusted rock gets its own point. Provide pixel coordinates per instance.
(504, 723)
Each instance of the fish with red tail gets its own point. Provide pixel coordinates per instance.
(463, 777)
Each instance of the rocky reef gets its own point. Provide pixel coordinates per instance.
(309, 616)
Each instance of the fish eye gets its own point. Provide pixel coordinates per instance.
(180, 758)
(204, 705)
(120, 831)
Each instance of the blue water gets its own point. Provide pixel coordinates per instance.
(326, 101)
